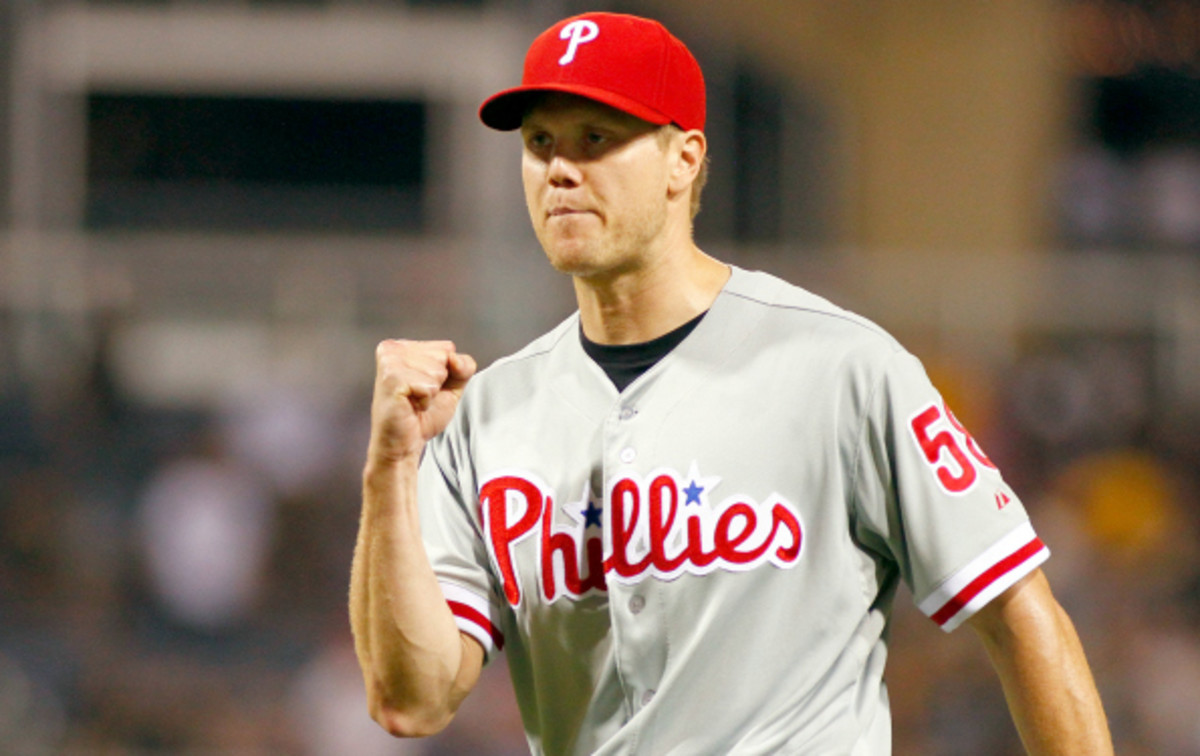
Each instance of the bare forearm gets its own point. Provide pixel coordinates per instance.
(1049, 687)
(407, 642)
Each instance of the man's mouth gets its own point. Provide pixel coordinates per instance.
(558, 212)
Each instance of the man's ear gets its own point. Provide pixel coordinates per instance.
(691, 147)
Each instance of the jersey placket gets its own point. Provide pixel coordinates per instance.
(634, 608)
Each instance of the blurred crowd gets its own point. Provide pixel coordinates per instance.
(174, 581)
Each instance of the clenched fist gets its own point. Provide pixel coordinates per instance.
(417, 388)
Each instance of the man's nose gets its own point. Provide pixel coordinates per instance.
(563, 171)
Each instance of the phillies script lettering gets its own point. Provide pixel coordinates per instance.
(658, 527)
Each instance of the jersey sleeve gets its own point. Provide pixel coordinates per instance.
(930, 499)
(453, 540)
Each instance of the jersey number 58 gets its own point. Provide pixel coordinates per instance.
(942, 439)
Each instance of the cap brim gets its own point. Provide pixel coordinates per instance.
(505, 110)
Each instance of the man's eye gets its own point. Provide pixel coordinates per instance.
(538, 141)
(595, 137)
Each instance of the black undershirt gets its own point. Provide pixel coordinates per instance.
(623, 363)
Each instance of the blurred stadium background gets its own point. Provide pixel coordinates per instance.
(210, 212)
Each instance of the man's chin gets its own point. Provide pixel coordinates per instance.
(586, 259)
(573, 260)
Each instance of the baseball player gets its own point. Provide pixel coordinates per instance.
(684, 512)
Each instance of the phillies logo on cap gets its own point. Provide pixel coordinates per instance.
(627, 62)
(578, 32)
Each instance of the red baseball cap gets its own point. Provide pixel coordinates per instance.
(633, 64)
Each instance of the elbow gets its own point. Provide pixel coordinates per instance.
(409, 721)
(406, 724)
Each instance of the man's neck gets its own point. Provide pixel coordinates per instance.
(643, 304)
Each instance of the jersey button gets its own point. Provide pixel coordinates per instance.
(627, 413)
(647, 697)
(637, 604)
(628, 454)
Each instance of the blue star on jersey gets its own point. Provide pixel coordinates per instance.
(698, 486)
(591, 515)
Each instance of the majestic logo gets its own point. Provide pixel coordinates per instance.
(578, 32)
(662, 526)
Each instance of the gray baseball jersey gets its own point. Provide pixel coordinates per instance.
(704, 563)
